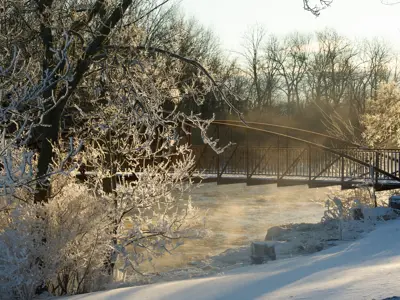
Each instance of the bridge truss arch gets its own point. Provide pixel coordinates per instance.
(265, 153)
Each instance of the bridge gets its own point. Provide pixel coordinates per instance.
(271, 154)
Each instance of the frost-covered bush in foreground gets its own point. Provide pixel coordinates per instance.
(354, 211)
(150, 214)
(69, 233)
(351, 199)
(81, 230)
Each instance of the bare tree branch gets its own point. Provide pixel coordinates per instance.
(188, 61)
(316, 9)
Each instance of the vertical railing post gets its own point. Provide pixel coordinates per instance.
(218, 177)
(278, 161)
(376, 167)
(342, 169)
(376, 178)
(309, 163)
(247, 156)
(287, 151)
(398, 164)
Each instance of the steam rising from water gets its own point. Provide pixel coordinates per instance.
(239, 214)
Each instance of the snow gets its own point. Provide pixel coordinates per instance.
(368, 268)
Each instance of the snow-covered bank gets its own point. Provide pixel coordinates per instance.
(368, 268)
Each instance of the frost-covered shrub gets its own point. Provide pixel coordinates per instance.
(355, 198)
(350, 199)
(69, 242)
(61, 243)
(152, 215)
(19, 272)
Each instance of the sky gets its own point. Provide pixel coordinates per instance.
(356, 19)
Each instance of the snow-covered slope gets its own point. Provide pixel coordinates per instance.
(368, 268)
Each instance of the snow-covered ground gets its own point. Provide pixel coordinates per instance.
(367, 268)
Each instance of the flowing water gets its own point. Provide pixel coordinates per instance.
(239, 214)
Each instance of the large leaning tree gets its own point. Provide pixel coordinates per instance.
(97, 85)
(100, 30)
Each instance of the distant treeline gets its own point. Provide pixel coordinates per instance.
(300, 79)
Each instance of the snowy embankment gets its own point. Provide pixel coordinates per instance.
(368, 268)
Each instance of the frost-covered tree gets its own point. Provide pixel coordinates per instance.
(381, 119)
(96, 27)
(23, 109)
(121, 100)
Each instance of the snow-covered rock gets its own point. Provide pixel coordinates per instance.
(380, 213)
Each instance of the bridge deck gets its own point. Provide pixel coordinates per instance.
(348, 183)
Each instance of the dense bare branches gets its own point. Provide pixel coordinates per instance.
(291, 56)
(94, 26)
(23, 110)
(326, 75)
(262, 71)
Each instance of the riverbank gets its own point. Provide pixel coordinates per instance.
(366, 268)
(289, 240)
(237, 215)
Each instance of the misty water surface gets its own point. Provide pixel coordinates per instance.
(239, 214)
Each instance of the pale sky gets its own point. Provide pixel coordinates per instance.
(230, 19)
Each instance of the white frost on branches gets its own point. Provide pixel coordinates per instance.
(109, 222)
(381, 120)
(22, 110)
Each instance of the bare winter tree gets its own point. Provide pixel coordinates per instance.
(378, 57)
(169, 29)
(252, 55)
(262, 71)
(343, 78)
(291, 57)
(333, 78)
